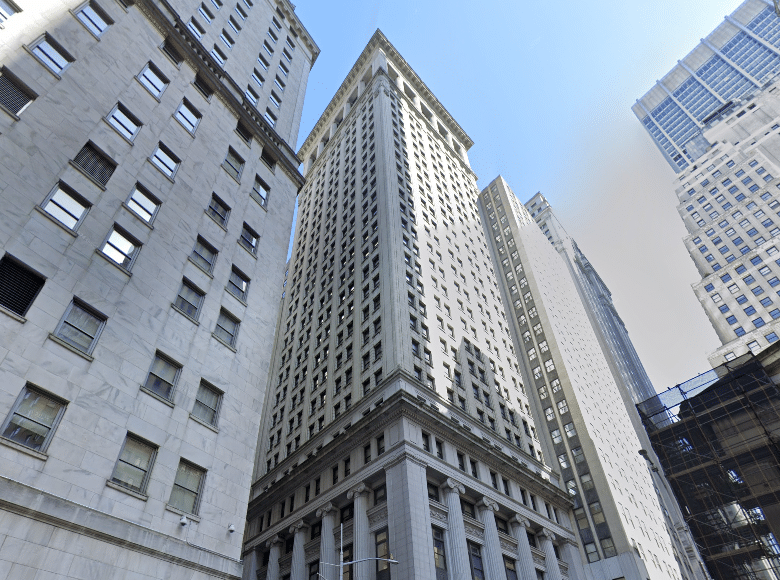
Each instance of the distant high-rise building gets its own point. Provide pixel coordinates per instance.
(572, 373)
(627, 370)
(148, 185)
(396, 407)
(735, 60)
(727, 188)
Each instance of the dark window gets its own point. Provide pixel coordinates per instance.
(18, 286)
(475, 559)
(95, 164)
(14, 96)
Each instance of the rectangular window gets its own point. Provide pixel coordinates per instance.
(188, 116)
(14, 95)
(383, 554)
(206, 13)
(143, 203)
(203, 87)
(207, 403)
(154, 81)
(190, 299)
(270, 117)
(251, 95)
(51, 54)
(80, 327)
(66, 206)
(187, 487)
(439, 554)
(226, 39)
(238, 284)
(218, 210)
(134, 464)
(227, 328)
(233, 164)
(196, 28)
(94, 18)
(260, 191)
(19, 285)
(475, 560)
(6, 11)
(204, 255)
(95, 163)
(164, 159)
(33, 418)
(163, 376)
(120, 247)
(249, 239)
(219, 56)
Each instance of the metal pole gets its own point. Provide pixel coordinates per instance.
(341, 554)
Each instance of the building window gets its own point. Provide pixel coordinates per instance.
(238, 284)
(509, 567)
(227, 328)
(134, 464)
(270, 117)
(164, 159)
(219, 56)
(14, 95)
(143, 203)
(383, 553)
(578, 455)
(380, 494)
(249, 239)
(592, 552)
(260, 191)
(204, 255)
(18, 285)
(218, 210)
(608, 547)
(233, 164)
(563, 407)
(80, 327)
(121, 248)
(51, 54)
(189, 300)
(203, 87)
(596, 512)
(475, 560)
(196, 28)
(207, 403)
(439, 554)
(188, 116)
(94, 18)
(563, 459)
(163, 376)
(95, 163)
(570, 430)
(33, 418)
(380, 445)
(582, 518)
(154, 81)
(187, 487)
(6, 10)
(556, 435)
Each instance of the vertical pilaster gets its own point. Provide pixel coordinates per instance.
(550, 559)
(360, 543)
(525, 560)
(327, 544)
(457, 550)
(493, 559)
(570, 554)
(409, 519)
(298, 565)
(275, 544)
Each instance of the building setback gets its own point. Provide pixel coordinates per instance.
(577, 400)
(716, 437)
(396, 409)
(148, 185)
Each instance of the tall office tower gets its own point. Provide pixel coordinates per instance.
(627, 370)
(726, 191)
(147, 203)
(395, 408)
(735, 60)
(577, 400)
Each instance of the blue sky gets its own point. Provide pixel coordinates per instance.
(545, 91)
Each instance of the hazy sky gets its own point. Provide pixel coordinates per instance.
(545, 90)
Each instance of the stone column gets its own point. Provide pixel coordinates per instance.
(409, 519)
(298, 564)
(275, 544)
(550, 559)
(360, 544)
(457, 550)
(525, 560)
(327, 543)
(494, 561)
(570, 553)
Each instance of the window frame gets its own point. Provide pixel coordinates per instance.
(251, 248)
(177, 375)
(142, 190)
(158, 162)
(83, 306)
(30, 387)
(203, 242)
(119, 127)
(227, 314)
(183, 120)
(218, 392)
(257, 196)
(212, 210)
(143, 79)
(99, 12)
(127, 237)
(19, 87)
(242, 296)
(197, 307)
(56, 47)
(74, 195)
(234, 171)
(152, 457)
(16, 263)
(198, 493)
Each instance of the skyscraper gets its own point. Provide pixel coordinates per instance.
(147, 198)
(727, 186)
(396, 407)
(581, 403)
(734, 61)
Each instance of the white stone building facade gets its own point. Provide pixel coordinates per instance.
(395, 407)
(148, 201)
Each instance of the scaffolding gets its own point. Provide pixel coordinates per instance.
(717, 437)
